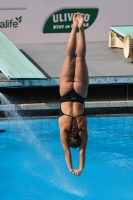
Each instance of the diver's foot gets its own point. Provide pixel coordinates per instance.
(75, 21)
(80, 20)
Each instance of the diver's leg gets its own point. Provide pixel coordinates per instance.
(68, 68)
(81, 71)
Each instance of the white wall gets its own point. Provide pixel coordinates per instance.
(36, 12)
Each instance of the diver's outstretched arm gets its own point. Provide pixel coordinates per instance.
(84, 138)
(66, 147)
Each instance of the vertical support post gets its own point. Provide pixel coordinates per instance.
(127, 92)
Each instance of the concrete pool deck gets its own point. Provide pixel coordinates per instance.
(106, 67)
(51, 106)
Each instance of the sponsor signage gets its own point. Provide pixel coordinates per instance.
(12, 23)
(61, 21)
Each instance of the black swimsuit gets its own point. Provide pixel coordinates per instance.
(73, 97)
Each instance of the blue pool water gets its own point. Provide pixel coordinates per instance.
(32, 165)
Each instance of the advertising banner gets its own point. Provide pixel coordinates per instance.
(43, 21)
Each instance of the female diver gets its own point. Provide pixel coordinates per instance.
(73, 91)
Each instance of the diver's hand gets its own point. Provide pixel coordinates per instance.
(76, 172)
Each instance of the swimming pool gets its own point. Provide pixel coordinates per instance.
(32, 164)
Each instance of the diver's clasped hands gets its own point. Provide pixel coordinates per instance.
(76, 172)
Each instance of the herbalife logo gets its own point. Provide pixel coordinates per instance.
(61, 21)
(11, 23)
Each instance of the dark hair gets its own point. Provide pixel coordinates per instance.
(74, 139)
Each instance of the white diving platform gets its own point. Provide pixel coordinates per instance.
(122, 37)
(13, 64)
